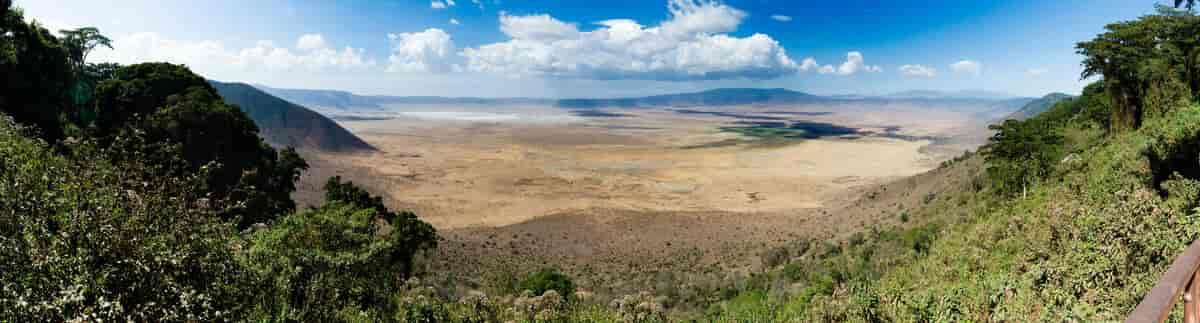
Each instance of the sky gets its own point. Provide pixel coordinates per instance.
(613, 48)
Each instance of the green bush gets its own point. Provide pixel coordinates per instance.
(340, 256)
(105, 245)
(549, 279)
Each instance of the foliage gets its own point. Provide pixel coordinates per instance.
(1020, 153)
(247, 179)
(408, 233)
(35, 74)
(547, 280)
(80, 42)
(102, 244)
(351, 253)
(1152, 62)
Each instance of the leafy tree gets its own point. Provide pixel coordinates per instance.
(105, 243)
(245, 177)
(410, 233)
(549, 279)
(1020, 153)
(341, 256)
(80, 42)
(34, 74)
(1148, 65)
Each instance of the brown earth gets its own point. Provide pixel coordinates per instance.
(621, 202)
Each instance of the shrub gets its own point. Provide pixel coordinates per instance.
(341, 255)
(104, 245)
(549, 279)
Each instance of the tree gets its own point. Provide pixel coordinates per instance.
(349, 254)
(549, 279)
(1020, 153)
(80, 42)
(34, 74)
(411, 234)
(85, 239)
(176, 109)
(1150, 63)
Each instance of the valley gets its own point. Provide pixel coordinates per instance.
(618, 195)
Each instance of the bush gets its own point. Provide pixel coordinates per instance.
(549, 279)
(340, 256)
(104, 245)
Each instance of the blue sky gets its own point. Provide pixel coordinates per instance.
(502, 48)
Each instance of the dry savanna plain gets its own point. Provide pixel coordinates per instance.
(628, 199)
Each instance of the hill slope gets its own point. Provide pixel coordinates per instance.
(1038, 106)
(341, 100)
(283, 123)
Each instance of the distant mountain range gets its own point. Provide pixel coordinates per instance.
(340, 100)
(282, 123)
(963, 94)
(1038, 106)
(717, 97)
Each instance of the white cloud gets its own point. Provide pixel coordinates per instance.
(691, 44)
(918, 70)
(781, 18)
(478, 4)
(967, 67)
(450, 3)
(810, 63)
(536, 28)
(453, 21)
(1037, 71)
(426, 51)
(310, 42)
(437, 5)
(854, 64)
(311, 54)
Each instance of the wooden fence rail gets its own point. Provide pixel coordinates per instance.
(1181, 278)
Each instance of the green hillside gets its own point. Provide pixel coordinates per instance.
(285, 124)
(1038, 106)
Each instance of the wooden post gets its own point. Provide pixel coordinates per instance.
(1191, 305)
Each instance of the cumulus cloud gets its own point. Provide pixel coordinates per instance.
(781, 18)
(426, 51)
(1037, 71)
(692, 44)
(437, 5)
(967, 67)
(310, 54)
(453, 21)
(537, 28)
(853, 65)
(810, 63)
(310, 42)
(918, 70)
(478, 4)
